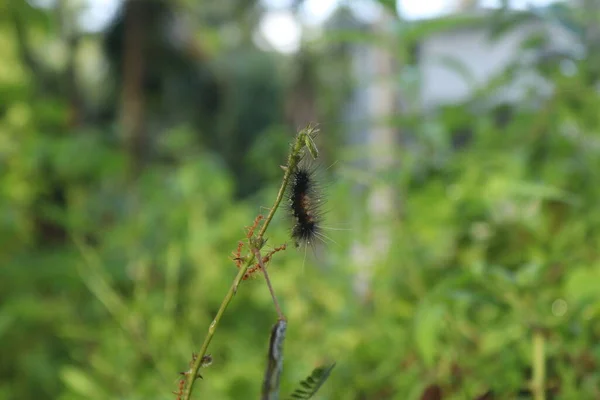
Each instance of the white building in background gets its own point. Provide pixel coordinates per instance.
(457, 57)
(463, 54)
(457, 61)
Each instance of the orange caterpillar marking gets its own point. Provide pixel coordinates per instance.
(304, 204)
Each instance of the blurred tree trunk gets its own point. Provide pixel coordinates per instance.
(51, 85)
(132, 111)
(382, 104)
(590, 18)
(301, 107)
(591, 11)
(71, 37)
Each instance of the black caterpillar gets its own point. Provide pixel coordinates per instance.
(305, 206)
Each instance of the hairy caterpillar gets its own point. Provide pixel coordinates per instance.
(305, 202)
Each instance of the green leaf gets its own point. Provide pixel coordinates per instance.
(311, 385)
(582, 285)
(81, 383)
(428, 325)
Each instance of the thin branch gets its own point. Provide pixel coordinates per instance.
(264, 270)
(294, 158)
(25, 52)
(539, 366)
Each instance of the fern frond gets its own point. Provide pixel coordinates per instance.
(309, 387)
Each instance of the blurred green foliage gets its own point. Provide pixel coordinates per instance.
(108, 284)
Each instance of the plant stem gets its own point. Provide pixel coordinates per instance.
(193, 373)
(539, 366)
(293, 160)
(264, 270)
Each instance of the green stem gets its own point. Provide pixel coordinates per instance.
(193, 373)
(293, 160)
(539, 366)
(268, 281)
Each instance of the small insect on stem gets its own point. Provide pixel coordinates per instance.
(312, 148)
(206, 361)
(179, 391)
(309, 134)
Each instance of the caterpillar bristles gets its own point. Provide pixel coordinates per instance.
(305, 203)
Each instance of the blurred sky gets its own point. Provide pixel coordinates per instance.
(282, 31)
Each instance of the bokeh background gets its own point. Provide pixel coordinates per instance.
(460, 156)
